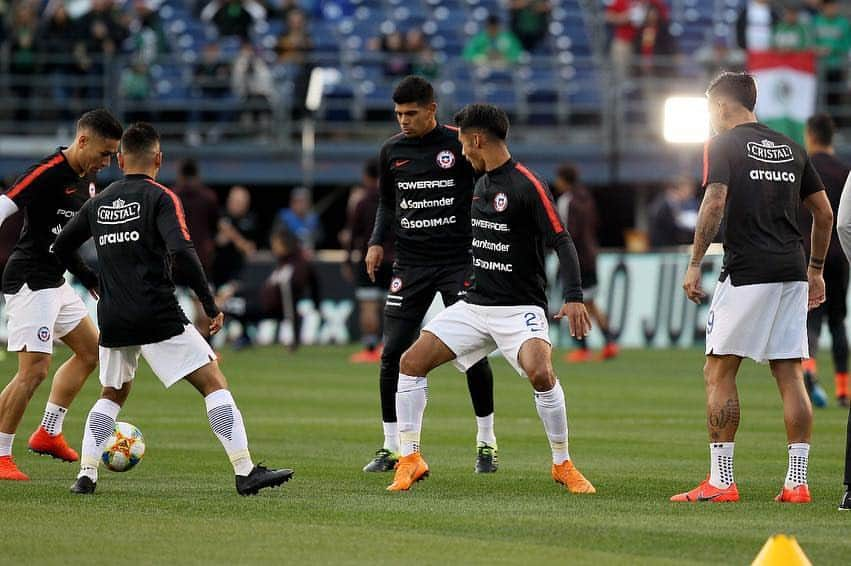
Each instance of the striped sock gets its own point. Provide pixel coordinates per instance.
(99, 426)
(226, 422)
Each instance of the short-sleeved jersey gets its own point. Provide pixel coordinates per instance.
(136, 224)
(767, 176)
(833, 174)
(50, 193)
(425, 185)
(513, 219)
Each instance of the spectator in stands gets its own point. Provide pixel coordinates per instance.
(105, 29)
(61, 50)
(252, 82)
(294, 278)
(790, 33)
(422, 57)
(673, 214)
(300, 220)
(832, 37)
(625, 16)
(135, 88)
(529, 21)
(397, 60)
(237, 238)
(654, 45)
(294, 44)
(719, 55)
(234, 17)
(494, 46)
(212, 78)
(755, 25)
(22, 50)
(146, 31)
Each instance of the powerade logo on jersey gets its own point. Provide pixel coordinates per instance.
(65, 213)
(427, 222)
(766, 175)
(769, 152)
(488, 225)
(118, 212)
(416, 204)
(118, 238)
(427, 184)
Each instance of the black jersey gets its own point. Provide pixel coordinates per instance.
(833, 174)
(139, 229)
(767, 176)
(513, 218)
(50, 192)
(425, 187)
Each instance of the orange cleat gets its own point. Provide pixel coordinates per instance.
(9, 471)
(366, 357)
(571, 478)
(409, 470)
(810, 365)
(707, 492)
(578, 356)
(609, 351)
(800, 494)
(42, 443)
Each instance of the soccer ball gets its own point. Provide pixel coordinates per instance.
(124, 449)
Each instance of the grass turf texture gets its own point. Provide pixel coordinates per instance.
(637, 432)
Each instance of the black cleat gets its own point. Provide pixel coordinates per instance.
(261, 477)
(487, 461)
(384, 461)
(84, 486)
(845, 504)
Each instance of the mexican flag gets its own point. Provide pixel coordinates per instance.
(786, 89)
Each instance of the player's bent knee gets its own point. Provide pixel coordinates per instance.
(541, 377)
(412, 363)
(117, 396)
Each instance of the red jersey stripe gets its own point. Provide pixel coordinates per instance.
(453, 128)
(705, 163)
(178, 207)
(542, 194)
(33, 175)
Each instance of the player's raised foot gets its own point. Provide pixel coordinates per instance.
(84, 486)
(409, 471)
(262, 477)
(842, 401)
(799, 494)
(9, 470)
(845, 504)
(609, 351)
(366, 357)
(707, 492)
(42, 443)
(487, 460)
(578, 356)
(571, 478)
(384, 461)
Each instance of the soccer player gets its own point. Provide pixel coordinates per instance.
(819, 142)
(41, 306)
(757, 178)
(843, 229)
(513, 217)
(140, 235)
(425, 191)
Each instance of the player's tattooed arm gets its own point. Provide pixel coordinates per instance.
(708, 220)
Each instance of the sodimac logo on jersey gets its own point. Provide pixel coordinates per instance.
(769, 152)
(119, 212)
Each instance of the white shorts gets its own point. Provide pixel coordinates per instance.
(474, 331)
(766, 321)
(37, 317)
(171, 360)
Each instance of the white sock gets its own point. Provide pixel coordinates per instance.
(6, 441)
(391, 437)
(54, 416)
(484, 434)
(99, 426)
(721, 466)
(553, 412)
(226, 422)
(411, 398)
(799, 455)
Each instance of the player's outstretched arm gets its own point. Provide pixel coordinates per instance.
(66, 247)
(708, 222)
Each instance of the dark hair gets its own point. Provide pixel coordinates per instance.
(189, 168)
(485, 117)
(493, 20)
(370, 168)
(139, 138)
(413, 89)
(568, 173)
(102, 123)
(822, 128)
(741, 87)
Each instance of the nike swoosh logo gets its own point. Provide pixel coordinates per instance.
(701, 497)
(475, 198)
(70, 190)
(401, 163)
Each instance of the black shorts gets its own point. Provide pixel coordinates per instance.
(365, 289)
(412, 289)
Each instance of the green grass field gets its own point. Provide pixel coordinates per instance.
(637, 432)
